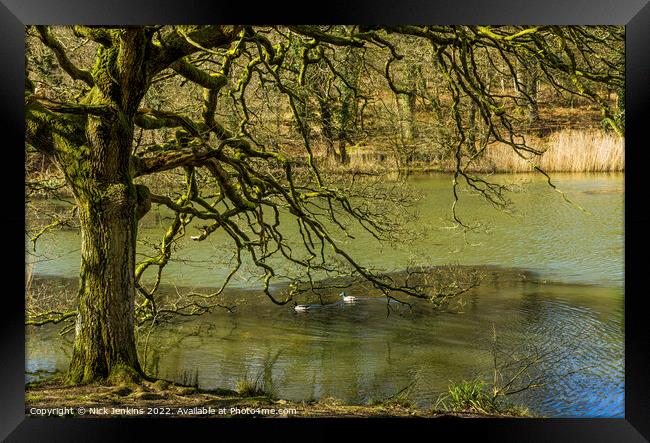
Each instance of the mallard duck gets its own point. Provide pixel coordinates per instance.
(300, 308)
(347, 298)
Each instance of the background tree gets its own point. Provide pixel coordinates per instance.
(206, 103)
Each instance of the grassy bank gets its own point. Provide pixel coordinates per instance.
(162, 398)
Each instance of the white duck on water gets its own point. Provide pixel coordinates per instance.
(300, 308)
(347, 298)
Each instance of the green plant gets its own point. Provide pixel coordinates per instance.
(475, 396)
(468, 396)
(252, 388)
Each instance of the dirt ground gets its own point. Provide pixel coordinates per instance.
(53, 398)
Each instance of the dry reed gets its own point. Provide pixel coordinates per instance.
(569, 150)
(565, 151)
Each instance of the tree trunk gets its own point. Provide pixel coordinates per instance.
(99, 173)
(344, 158)
(471, 136)
(326, 129)
(348, 111)
(407, 111)
(104, 346)
(406, 103)
(109, 207)
(532, 91)
(528, 76)
(343, 133)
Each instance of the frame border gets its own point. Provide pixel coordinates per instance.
(15, 14)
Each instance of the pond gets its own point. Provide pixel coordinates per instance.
(571, 312)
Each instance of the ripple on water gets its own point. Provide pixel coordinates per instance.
(586, 375)
(356, 353)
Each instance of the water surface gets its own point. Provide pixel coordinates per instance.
(572, 312)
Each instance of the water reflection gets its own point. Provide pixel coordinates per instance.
(355, 353)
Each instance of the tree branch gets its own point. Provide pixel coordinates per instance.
(59, 51)
(70, 108)
(185, 40)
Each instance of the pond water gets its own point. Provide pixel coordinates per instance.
(571, 313)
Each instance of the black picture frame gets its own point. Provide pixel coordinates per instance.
(635, 14)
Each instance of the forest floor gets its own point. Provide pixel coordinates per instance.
(52, 397)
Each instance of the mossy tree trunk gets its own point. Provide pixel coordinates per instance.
(104, 344)
(348, 110)
(472, 128)
(528, 77)
(531, 89)
(91, 140)
(345, 117)
(98, 172)
(406, 107)
(326, 128)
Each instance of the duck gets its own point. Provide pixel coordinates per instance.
(300, 308)
(204, 233)
(347, 298)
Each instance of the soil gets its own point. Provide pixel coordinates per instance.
(161, 398)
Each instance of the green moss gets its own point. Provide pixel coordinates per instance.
(53, 379)
(123, 374)
(104, 71)
(161, 385)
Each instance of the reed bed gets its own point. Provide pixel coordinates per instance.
(569, 150)
(565, 151)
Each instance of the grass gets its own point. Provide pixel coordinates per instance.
(253, 388)
(473, 396)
